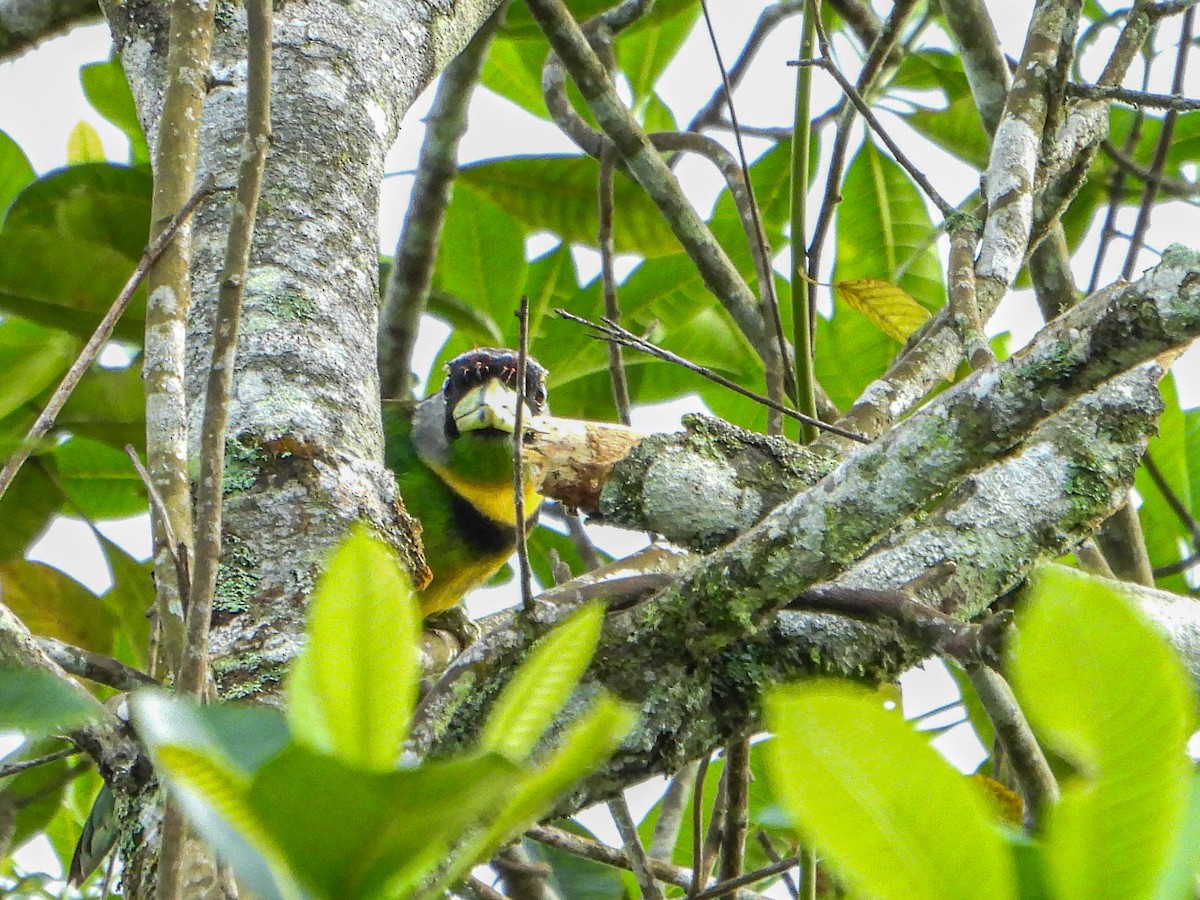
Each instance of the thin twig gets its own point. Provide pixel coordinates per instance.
(1025, 755)
(100, 337)
(767, 287)
(177, 550)
(698, 826)
(1159, 163)
(710, 114)
(804, 309)
(1177, 102)
(608, 278)
(619, 808)
(518, 460)
(416, 252)
(768, 848)
(1176, 567)
(1174, 187)
(26, 764)
(475, 889)
(194, 667)
(944, 206)
(95, 666)
(1177, 507)
(724, 888)
(737, 806)
(608, 331)
(670, 811)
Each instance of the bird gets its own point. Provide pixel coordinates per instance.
(452, 455)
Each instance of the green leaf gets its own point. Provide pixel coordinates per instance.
(108, 92)
(347, 832)
(558, 194)
(893, 818)
(588, 742)
(130, 599)
(99, 480)
(15, 172)
(54, 605)
(215, 797)
(851, 353)
(513, 69)
(481, 258)
(645, 49)
(1104, 689)
(657, 116)
(108, 405)
(84, 145)
(541, 686)
(32, 360)
(35, 794)
(38, 703)
(884, 230)
(355, 683)
(26, 509)
(1179, 879)
(69, 244)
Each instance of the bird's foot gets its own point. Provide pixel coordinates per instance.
(454, 622)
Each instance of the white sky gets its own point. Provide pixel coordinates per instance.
(40, 118)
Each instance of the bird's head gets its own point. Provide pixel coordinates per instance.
(481, 396)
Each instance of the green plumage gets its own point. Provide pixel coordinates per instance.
(452, 457)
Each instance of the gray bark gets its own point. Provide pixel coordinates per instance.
(305, 448)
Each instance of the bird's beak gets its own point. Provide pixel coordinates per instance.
(489, 405)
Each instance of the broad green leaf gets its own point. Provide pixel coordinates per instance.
(1179, 880)
(558, 194)
(108, 405)
(851, 353)
(541, 686)
(1191, 427)
(36, 793)
(363, 634)
(38, 703)
(891, 310)
(84, 145)
(481, 258)
(465, 318)
(346, 832)
(657, 116)
(102, 203)
(215, 797)
(519, 22)
(52, 604)
(108, 92)
(884, 230)
(585, 745)
(69, 244)
(892, 817)
(26, 509)
(32, 360)
(15, 172)
(1161, 525)
(130, 598)
(513, 69)
(1104, 689)
(99, 479)
(645, 50)
(242, 736)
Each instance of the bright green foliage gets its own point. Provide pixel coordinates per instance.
(106, 89)
(364, 630)
(894, 819)
(320, 806)
(1105, 691)
(1102, 688)
(37, 703)
(531, 700)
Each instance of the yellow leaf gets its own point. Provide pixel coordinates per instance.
(891, 310)
(84, 145)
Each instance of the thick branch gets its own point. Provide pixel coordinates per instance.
(26, 23)
(930, 494)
